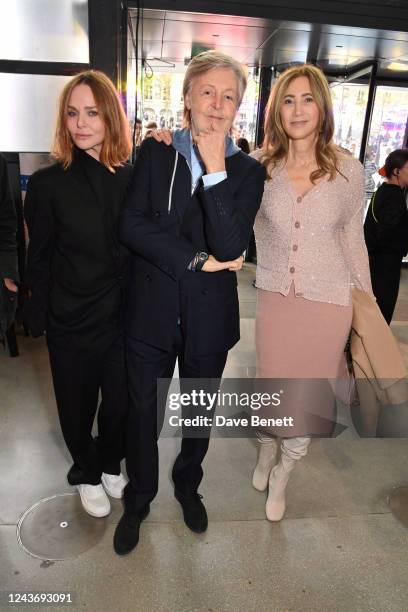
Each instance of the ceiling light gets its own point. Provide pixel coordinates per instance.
(398, 66)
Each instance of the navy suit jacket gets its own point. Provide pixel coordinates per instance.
(164, 233)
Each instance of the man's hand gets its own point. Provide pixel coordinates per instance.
(211, 145)
(165, 136)
(213, 265)
(11, 285)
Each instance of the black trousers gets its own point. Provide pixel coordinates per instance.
(78, 376)
(385, 269)
(146, 364)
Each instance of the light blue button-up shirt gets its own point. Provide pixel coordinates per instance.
(183, 143)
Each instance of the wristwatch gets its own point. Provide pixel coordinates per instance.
(200, 260)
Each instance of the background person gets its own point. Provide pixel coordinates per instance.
(75, 273)
(386, 231)
(151, 126)
(137, 138)
(243, 144)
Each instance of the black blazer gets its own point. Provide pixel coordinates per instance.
(8, 227)
(8, 249)
(164, 233)
(386, 223)
(75, 264)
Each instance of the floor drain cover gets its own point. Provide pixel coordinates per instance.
(57, 528)
(399, 504)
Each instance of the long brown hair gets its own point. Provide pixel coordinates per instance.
(117, 144)
(275, 146)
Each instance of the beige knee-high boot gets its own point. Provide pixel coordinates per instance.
(292, 449)
(267, 448)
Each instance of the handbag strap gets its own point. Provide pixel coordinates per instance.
(372, 206)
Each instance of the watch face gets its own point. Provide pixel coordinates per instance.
(203, 256)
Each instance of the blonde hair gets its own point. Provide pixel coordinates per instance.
(210, 60)
(275, 146)
(117, 145)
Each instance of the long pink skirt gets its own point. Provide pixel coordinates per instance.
(300, 345)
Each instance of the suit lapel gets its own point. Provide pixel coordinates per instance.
(181, 195)
(233, 168)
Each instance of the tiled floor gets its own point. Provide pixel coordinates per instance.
(339, 548)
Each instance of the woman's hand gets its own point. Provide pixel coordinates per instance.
(162, 135)
(213, 265)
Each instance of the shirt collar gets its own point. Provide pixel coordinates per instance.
(182, 142)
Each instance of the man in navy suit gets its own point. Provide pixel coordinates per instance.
(188, 219)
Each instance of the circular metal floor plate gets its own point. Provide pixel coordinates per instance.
(398, 501)
(57, 528)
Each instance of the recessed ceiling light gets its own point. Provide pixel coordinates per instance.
(397, 66)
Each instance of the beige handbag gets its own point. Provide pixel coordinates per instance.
(380, 373)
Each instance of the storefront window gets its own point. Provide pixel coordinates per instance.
(161, 101)
(349, 105)
(387, 131)
(388, 122)
(245, 121)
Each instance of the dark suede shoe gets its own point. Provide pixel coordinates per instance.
(195, 514)
(127, 532)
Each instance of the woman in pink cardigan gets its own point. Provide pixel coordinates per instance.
(310, 250)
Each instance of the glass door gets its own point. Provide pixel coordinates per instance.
(349, 106)
(388, 123)
(387, 129)
(160, 101)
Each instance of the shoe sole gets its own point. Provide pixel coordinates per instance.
(275, 520)
(93, 514)
(196, 530)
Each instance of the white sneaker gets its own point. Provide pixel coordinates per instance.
(114, 484)
(94, 500)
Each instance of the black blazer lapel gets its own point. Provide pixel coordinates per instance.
(236, 169)
(181, 195)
